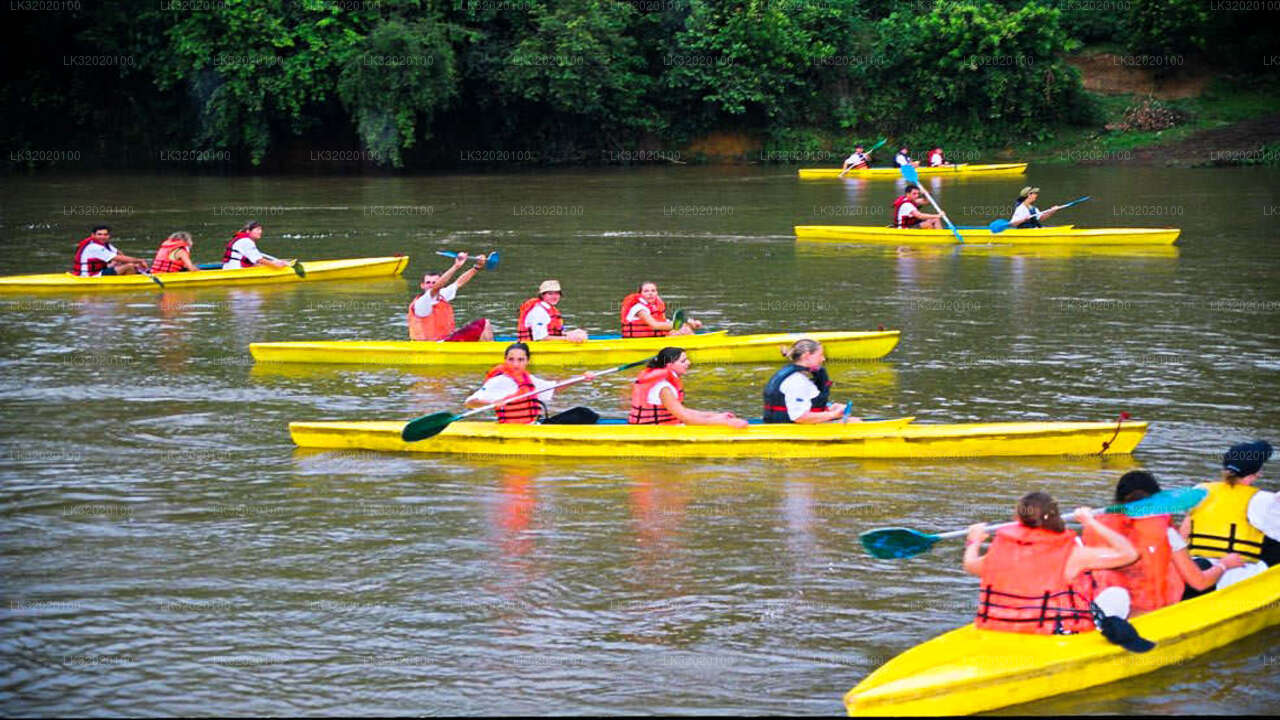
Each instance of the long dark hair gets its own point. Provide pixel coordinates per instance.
(517, 346)
(665, 357)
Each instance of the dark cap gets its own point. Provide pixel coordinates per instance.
(1246, 458)
(1136, 481)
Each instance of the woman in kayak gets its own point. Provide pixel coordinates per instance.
(1164, 569)
(174, 254)
(800, 392)
(657, 396)
(1033, 574)
(1236, 517)
(644, 314)
(512, 378)
(539, 319)
(1025, 213)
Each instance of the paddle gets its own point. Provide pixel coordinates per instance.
(897, 542)
(677, 319)
(431, 425)
(490, 262)
(999, 226)
(867, 152)
(154, 279)
(295, 265)
(913, 177)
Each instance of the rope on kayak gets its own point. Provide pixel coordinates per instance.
(1119, 420)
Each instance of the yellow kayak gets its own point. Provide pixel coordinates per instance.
(711, 347)
(314, 269)
(1066, 235)
(893, 172)
(897, 438)
(970, 670)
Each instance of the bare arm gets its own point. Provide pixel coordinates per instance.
(1118, 551)
(972, 546)
(1203, 579)
(689, 416)
(184, 258)
(833, 412)
(652, 323)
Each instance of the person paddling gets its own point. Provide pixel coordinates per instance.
(904, 158)
(857, 160)
(1033, 574)
(935, 157)
(242, 250)
(430, 314)
(96, 256)
(174, 254)
(1236, 517)
(657, 396)
(644, 314)
(539, 319)
(1164, 570)
(1025, 213)
(907, 214)
(512, 378)
(800, 392)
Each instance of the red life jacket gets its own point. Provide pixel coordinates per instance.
(906, 222)
(1023, 587)
(638, 328)
(436, 326)
(164, 261)
(521, 411)
(228, 256)
(941, 159)
(554, 329)
(642, 413)
(1152, 581)
(91, 267)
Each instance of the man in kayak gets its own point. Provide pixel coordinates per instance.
(857, 160)
(904, 158)
(1025, 213)
(657, 396)
(1236, 517)
(96, 256)
(644, 314)
(431, 313)
(935, 157)
(907, 214)
(1164, 570)
(800, 392)
(174, 254)
(242, 250)
(1034, 573)
(539, 319)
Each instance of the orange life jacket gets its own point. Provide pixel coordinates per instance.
(228, 255)
(554, 329)
(642, 413)
(521, 411)
(91, 267)
(1023, 585)
(164, 261)
(639, 328)
(436, 326)
(1152, 581)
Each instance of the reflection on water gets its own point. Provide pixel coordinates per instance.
(167, 550)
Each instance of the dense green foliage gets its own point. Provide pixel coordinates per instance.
(425, 83)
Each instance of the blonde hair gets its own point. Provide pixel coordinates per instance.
(183, 236)
(800, 349)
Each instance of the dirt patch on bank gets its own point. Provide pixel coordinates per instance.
(1241, 143)
(1113, 74)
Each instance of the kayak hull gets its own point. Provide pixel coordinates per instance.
(1034, 236)
(963, 169)
(969, 670)
(714, 347)
(896, 438)
(348, 269)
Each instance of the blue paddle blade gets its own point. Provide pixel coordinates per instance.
(491, 263)
(896, 542)
(210, 266)
(1165, 502)
(909, 172)
(999, 226)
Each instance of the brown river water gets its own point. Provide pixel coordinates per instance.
(164, 549)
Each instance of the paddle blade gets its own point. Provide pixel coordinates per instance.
(677, 320)
(896, 542)
(909, 172)
(426, 426)
(491, 263)
(297, 268)
(999, 226)
(447, 253)
(1165, 502)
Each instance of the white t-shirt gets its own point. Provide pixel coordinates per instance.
(95, 251)
(500, 386)
(423, 305)
(633, 315)
(1264, 513)
(905, 210)
(798, 391)
(655, 392)
(856, 159)
(1021, 213)
(935, 159)
(1176, 542)
(537, 320)
(901, 160)
(246, 248)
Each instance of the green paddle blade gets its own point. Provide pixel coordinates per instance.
(677, 319)
(1165, 502)
(896, 542)
(297, 268)
(427, 426)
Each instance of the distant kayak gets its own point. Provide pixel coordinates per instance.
(315, 270)
(893, 172)
(1064, 235)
